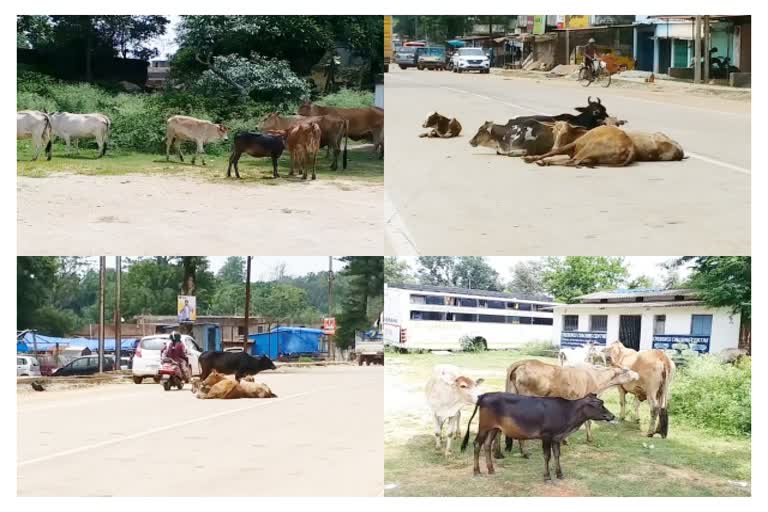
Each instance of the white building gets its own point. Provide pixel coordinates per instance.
(646, 318)
(437, 317)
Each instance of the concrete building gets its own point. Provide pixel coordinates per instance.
(646, 318)
(438, 317)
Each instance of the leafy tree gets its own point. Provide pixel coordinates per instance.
(396, 271)
(129, 34)
(35, 277)
(724, 281)
(56, 322)
(436, 270)
(527, 277)
(474, 272)
(233, 271)
(366, 275)
(33, 31)
(572, 276)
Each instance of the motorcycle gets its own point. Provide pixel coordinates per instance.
(171, 375)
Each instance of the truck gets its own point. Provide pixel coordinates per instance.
(387, 42)
(369, 347)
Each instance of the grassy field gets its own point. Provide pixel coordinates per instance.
(620, 462)
(362, 165)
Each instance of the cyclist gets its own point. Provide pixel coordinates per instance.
(591, 56)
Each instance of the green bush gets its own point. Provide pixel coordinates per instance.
(348, 98)
(539, 348)
(714, 396)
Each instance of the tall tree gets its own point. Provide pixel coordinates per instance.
(366, 275)
(724, 281)
(572, 276)
(396, 271)
(35, 277)
(233, 271)
(474, 272)
(436, 270)
(527, 277)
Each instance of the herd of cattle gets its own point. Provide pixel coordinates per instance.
(590, 138)
(302, 135)
(549, 402)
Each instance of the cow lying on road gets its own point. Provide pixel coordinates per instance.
(447, 391)
(256, 145)
(441, 126)
(589, 117)
(181, 128)
(651, 147)
(604, 145)
(527, 417)
(238, 363)
(35, 125)
(217, 385)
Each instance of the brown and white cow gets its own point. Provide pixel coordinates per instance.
(656, 371)
(441, 126)
(604, 145)
(651, 147)
(35, 125)
(364, 123)
(181, 128)
(333, 130)
(218, 385)
(447, 391)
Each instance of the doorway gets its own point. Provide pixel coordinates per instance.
(629, 331)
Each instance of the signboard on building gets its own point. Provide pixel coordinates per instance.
(186, 308)
(674, 341)
(539, 24)
(577, 21)
(329, 326)
(579, 339)
(560, 21)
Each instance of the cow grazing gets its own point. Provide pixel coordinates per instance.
(527, 417)
(182, 128)
(35, 125)
(364, 123)
(238, 363)
(257, 145)
(530, 377)
(79, 126)
(447, 391)
(604, 145)
(333, 130)
(217, 385)
(656, 371)
(441, 126)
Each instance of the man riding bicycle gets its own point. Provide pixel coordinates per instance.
(591, 57)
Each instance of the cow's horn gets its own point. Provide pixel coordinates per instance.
(589, 99)
(598, 100)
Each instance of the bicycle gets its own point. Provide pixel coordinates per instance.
(587, 75)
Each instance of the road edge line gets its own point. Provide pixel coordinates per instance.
(397, 232)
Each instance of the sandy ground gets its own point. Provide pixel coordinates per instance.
(445, 197)
(73, 214)
(321, 436)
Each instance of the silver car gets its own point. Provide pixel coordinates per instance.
(27, 366)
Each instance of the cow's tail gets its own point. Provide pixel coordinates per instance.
(346, 138)
(662, 396)
(465, 442)
(511, 387)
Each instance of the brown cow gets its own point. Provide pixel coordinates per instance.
(181, 128)
(441, 126)
(604, 145)
(217, 385)
(651, 147)
(364, 123)
(333, 130)
(530, 377)
(656, 371)
(303, 142)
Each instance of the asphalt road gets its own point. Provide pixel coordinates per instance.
(445, 197)
(322, 436)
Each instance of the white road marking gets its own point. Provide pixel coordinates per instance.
(121, 439)
(718, 162)
(398, 233)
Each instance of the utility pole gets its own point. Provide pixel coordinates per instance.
(247, 300)
(331, 345)
(707, 47)
(118, 317)
(102, 277)
(697, 50)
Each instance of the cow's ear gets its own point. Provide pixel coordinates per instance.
(581, 109)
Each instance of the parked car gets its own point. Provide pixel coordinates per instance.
(405, 57)
(470, 59)
(430, 57)
(27, 366)
(86, 365)
(146, 359)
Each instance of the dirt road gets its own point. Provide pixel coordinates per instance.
(321, 436)
(445, 197)
(75, 214)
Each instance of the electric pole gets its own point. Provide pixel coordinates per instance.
(102, 276)
(247, 300)
(118, 317)
(331, 346)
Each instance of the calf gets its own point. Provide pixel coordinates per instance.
(238, 363)
(333, 130)
(181, 128)
(303, 142)
(256, 145)
(655, 373)
(77, 126)
(526, 417)
(441, 126)
(447, 391)
(219, 386)
(604, 145)
(31, 124)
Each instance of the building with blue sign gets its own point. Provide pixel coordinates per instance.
(646, 318)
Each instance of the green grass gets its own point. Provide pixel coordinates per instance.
(362, 165)
(620, 462)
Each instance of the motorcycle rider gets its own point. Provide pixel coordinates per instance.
(590, 56)
(177, 352)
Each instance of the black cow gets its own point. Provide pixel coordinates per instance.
(589, 117)
(238, 363)
(528, 417)
(257, 145)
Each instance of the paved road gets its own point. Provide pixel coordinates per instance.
(322, 436)
(445, 197)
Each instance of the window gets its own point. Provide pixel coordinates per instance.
(463, 317)
(526, 320)
(679, 297)
(153, 343)
(427, 315)
(639, 299)
(80, 363)
(659, 324)
(21, 361)
(542, 321)
(436, 300)
(525, 307)
(496, 304)
(492, 318)
(598, 323)
(468, 303)
(513, 319)
(603, 301)
(418, 299)
(512, 305)
(482, 303)
(701, 325)
(542, 307)
(570, 323)
(190, 343)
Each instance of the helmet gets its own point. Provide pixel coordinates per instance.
(591, 40)
(175, 337)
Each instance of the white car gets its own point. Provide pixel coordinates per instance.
(469, 59)
(27, 366)
(146, 360)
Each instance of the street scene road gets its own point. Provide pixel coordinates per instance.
(445, 197)
(320, 437)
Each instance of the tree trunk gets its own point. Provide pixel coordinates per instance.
(745, 335)
(88, 50)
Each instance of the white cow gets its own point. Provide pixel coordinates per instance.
(181, 128)
(447, 392)
(77, 126)
(35, 125)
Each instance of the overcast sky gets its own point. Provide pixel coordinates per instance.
(167, 43)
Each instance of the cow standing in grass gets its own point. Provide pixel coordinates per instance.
(333, 130)
(363, 123)
(181, 128)
(73, 127)
(35, 125)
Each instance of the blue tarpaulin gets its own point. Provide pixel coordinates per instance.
(26, 343)
(456, 43)
(286, 341)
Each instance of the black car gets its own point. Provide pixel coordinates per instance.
(86, 365)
